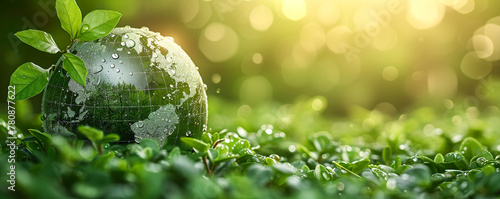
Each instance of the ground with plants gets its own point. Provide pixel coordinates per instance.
(367, 155)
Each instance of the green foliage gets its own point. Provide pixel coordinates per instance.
(75, 67)
(70, 16)
(97, 137)
(30, 79)
(97, 24)
(38, 39)
(227, 164)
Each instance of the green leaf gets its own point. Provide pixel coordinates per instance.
(212, 154)
(146, 142)
(360, 165)
(43, 137)
(176, 152)
(439, 158)
(470, 147)
(29, 79)
(387, 154)
(199, 145)
(75, 67)
(259, 174)
(456, 159)
(110, 138)
(285, 168)
(104, 159)
(70, 16)
(91, 133)
(97, 24)
(39, 39)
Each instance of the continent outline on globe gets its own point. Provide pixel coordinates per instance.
(139, 85)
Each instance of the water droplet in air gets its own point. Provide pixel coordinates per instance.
(115, 56)
(130, 43)
(98, 69)
(117, 70)
(188, 133)
(85, 28)
(163, 97)
(103, 60)
(112, 65)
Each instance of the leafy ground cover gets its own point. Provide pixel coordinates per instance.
(369, 155)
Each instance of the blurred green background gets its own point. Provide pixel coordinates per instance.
(264, 59)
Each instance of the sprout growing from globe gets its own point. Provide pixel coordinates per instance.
(132, 82)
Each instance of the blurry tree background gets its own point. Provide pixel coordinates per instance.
(388, 55)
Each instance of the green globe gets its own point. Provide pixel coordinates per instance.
(139, 85)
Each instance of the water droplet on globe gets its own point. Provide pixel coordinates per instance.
(130, 43)
(85, 28)
(144, 28)
(112, 65)
(121, 62)
(127, 26)
(98, 69)
(103, 60)
(122, 43)
(96, 81)
(117, 70)
(119, 49)
(171, 72)
(115, 56)
(155, 55)
(131, 73)
(126, 36)
(169, 59)
(170, 38)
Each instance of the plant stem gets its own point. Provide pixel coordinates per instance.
(206, 165)
(99, 148)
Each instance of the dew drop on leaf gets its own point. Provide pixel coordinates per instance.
(85, 28)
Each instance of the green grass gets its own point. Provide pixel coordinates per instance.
(274, 151)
